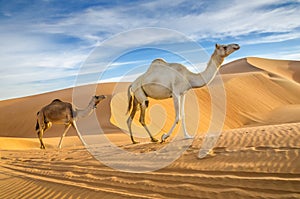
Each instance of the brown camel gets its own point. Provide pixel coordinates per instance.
(59, 112)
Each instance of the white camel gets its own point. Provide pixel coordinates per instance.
(165, 80)
(59, 112)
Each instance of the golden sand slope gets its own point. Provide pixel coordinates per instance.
(283, 68)
(256, 162)
(260, 160)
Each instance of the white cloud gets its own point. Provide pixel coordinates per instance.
(125, 78)
(221, 19)
(239, 19)
(273, 38)
(31, 49)
(286, 55)
(116, 64)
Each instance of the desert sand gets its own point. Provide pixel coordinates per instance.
(256, 156)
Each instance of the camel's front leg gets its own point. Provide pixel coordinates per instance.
(78, 133)
(67, 127)
(177, 117)
(185, 133)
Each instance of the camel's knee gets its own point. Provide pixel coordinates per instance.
(142, 121)
(40, 133)
(177, 119)
(129, 120)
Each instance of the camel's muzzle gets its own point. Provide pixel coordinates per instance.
(236, 47)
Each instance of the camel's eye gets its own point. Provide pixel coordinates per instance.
(225, 47)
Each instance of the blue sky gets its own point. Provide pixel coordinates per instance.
(45, 43)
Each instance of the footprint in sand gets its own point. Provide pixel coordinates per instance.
(219, 150)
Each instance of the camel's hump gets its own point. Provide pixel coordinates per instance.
(159, 60)
(57, 100)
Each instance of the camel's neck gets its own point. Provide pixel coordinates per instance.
(81, 113)
(201, 79)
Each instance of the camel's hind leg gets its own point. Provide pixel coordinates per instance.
(142, 120)
(40, 135)
(40, 125)
(41, 128)
(130, 118)
(67, 127)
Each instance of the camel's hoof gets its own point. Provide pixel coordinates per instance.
(203, 153)
(164, 137)
(188, 137)
(135, 142)
(154, 140)
(42, 147)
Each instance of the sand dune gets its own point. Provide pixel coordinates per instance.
(256, 156)
(283, 68)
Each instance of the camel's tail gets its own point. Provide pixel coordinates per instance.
(41, 118)
(130, 99)
(37, 126)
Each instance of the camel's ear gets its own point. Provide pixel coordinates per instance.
(217, 46)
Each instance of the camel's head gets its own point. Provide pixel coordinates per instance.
(225, 50)
(97, 99)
